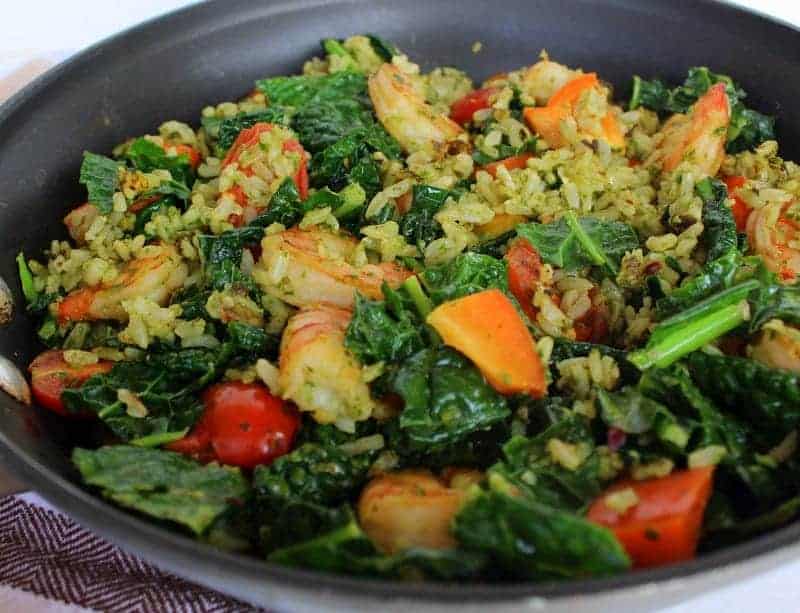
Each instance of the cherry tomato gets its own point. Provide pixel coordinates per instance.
(462, 110)
(243, 425)
(51, 375)
(740, 210)
(524, 272)
(250, 137)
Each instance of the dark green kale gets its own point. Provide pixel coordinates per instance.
(716, 276)
(100, 175)
(748, 128)
(349, 159)
(531, 540)
(446, 397)
(768, 398)
(418, 225)
(162, 484)
(632, 412)
(383, 48)
(387, 330)
(146, 156)
(573, 243)
(326, 108)
(466, 274)
(719, 227)
(345, 548)
(167, 383)
(299, 496)
(529, 466)
(222, 257)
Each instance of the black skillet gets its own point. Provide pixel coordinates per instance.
(173, 66)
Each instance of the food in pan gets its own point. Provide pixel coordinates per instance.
(377, 321)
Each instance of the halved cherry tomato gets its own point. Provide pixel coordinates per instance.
(250, 137)
(242, 425)
(462, 110)
(187, 150)
(524, 274)
(592, 326)
(664, 525)
(511, 163)
(51, 375)
(740, 210)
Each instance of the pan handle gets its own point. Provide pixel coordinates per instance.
(8, 484)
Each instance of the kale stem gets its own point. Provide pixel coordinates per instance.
(690, 336)
(586, 242)
(159, 438)
(418, 296)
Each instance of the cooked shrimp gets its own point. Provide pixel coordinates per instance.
(698, 137)
(79, 220)
(406, 115)
(308, 267)
(545, 78)
(155, 275)
(412, 508)
(778, 346)
(316, 371)
(772, 233)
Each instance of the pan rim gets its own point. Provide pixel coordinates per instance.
(139, 535)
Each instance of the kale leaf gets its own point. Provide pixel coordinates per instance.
(446, 398)
(349, 159)
(418, 225)
(146, 156)
(719, 227)
(100, 175)
(298, 496)
(531, 540)
(346, 548)
(222, 257)
(715, 277)
(327, 108)
(162, 484)
(768, 398)
(387, 330)
(466, 274)
(530, 467)
(572, 243)
(632, 412)
(167, 384)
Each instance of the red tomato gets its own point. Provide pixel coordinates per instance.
(243, 425)
(739, 209)
(664, 525)
(464, 108)
(524, 272)
(250, 136)
(51, 375)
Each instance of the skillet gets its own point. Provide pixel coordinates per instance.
(175, 65)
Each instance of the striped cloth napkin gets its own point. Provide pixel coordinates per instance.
(48, 563)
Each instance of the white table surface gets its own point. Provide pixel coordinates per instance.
(37, 34)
